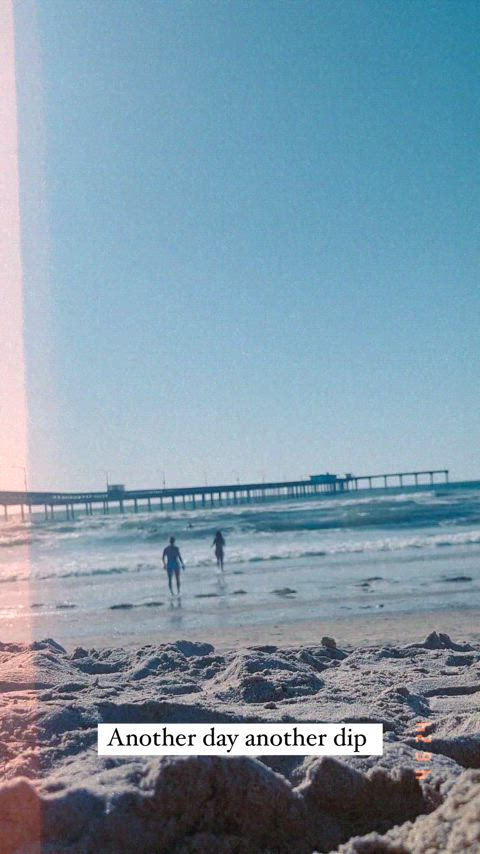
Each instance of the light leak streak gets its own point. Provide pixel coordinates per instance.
(13, 409)
(14, 599)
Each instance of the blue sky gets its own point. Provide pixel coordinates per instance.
(263, 240)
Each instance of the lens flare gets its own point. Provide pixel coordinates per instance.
(13, 397)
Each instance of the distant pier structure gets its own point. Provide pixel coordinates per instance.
(191, 497)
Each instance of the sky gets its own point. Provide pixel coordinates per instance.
(250, 239)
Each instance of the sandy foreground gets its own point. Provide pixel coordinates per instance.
(57, 796)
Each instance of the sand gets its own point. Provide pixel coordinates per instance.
(57, 796)
(353, 631)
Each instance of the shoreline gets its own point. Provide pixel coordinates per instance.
(348, 632)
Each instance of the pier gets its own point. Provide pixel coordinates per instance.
(194, 497)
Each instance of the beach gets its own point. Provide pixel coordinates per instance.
(239, 492)
(364, 611)
(349, 559)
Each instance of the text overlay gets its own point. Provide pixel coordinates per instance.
(341, 739)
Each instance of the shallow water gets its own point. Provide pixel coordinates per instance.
(285, 561)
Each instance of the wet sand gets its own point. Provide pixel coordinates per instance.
(350, 631)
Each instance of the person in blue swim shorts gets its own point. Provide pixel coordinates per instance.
(172, 561)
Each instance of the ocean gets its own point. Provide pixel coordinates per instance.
(285, 561)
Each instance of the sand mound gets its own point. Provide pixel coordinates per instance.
(457, 736)
(78, 803)
(235, 803)
(359, 802)
(258, 677)
(454, 828)
(440, 640)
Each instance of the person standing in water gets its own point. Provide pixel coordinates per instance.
(172, 561)
(219, 545)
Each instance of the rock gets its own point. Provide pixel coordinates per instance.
(284, 591)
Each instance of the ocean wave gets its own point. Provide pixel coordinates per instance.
(15, 541)
(405, 511)
(269, 549)
(317, 519)
(390, 544)
(320, 513)
(291, 553)
(84, 573)
(111, 570)
(271, 531)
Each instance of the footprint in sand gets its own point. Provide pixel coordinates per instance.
(62, 606)
(284, 591)
(122, 607)
(206, 595)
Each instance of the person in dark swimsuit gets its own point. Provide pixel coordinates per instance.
(219, 546)
(172, 561)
